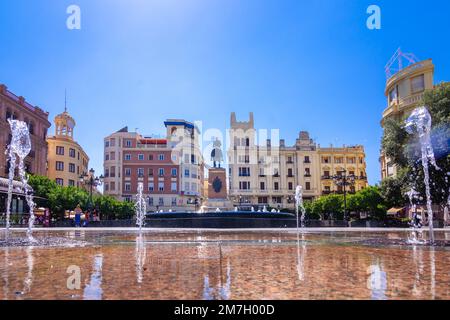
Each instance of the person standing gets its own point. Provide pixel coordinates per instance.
(78, 213)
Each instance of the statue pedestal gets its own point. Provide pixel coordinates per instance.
(217, 191)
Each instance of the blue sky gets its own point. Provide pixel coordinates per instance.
(298, 65)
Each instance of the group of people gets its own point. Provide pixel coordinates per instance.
(87, 216)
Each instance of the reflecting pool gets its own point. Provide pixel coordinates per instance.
(199, 264)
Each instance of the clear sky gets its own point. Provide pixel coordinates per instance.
(298, 65)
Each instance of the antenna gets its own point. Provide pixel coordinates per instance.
(395, 64)
(65, 100)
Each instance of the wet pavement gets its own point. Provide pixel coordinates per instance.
(201, 264)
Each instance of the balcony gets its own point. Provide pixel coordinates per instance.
(276, 175)
(290, 176)
(326, 178)
(307, 161)
(289, 162)
(307, 175)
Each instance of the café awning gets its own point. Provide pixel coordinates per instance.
(394, 211)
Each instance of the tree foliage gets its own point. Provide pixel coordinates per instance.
(59, 199)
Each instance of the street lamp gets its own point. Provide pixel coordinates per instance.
(93, 182)
(344, 180)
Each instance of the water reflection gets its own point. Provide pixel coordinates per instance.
(30, 264)
(140, 256)
(377, 281)
(301, 253)
(93, 290)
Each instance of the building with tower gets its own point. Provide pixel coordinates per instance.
(265, 171)
(66, 160)
(407, 80)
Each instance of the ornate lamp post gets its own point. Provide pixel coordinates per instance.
(93, 182)
(343, 180)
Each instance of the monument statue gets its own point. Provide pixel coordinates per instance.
(216, 154)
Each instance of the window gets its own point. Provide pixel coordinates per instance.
(307, 172)
(161, 172)
(174, 201)
(262, 185)
(151, 186)
(128, 157)
(128, 143)
(106, 157)
(160, 186)
(72, 153)
(106, 186)
(325, 159)
(289, 159)
(173, 187)
(186, 173)
(150, 157)
(127, 187)
(150, 172)
(186, 186)
(72, 167)
(140, 157)
(59, 181)
(72, 183)
(127, 172)
(308, 185)
(161, 201)
(326, 174)
(112, 186)
(307, 159)
(418, 84)
(59, 166)
(161, 157)
(60, 151)
(290, 186)
(174, 172)
(276, 186)
(113, 142)
(244, 172)
(150, 202)
(393, 95)
(140, 172)
(290, 174)
(244, 185)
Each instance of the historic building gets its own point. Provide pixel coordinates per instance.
(267, 173)
(66, 160)
(16, 107)
(170, 168)
(404, 92)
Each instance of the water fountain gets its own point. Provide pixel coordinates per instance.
(299, 205)
(19, 147)
(416, 236)
(420, 122)
(140, 206)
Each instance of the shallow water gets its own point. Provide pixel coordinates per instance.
(226, 265)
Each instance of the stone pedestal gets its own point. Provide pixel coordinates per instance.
(217, 191)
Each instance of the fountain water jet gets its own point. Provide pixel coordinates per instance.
(19, 147)
(140, 207)
(299, 205)
(420, 122)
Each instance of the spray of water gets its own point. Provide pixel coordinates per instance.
(140, 206)
(18, 149)
(299, 205)
(419, 122)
